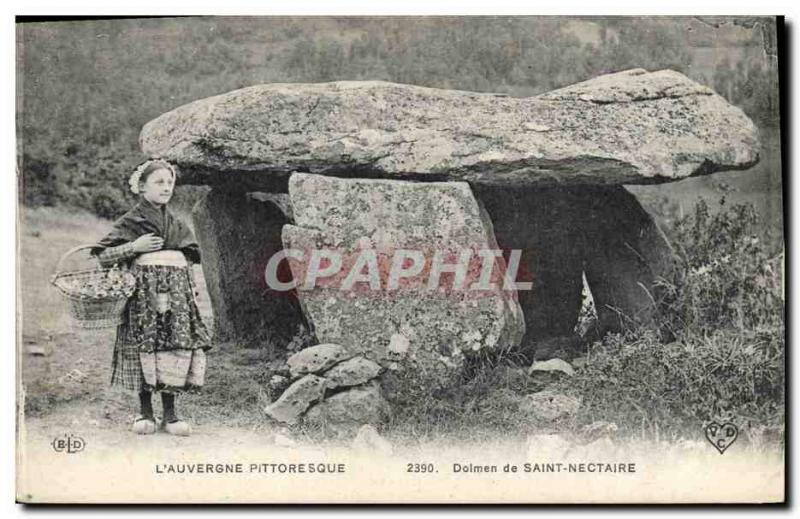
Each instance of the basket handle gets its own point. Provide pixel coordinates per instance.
(71, 252)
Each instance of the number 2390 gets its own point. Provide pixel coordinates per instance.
(420, 468)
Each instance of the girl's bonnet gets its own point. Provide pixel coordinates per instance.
(148, 167)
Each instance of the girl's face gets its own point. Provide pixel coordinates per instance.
(158, 187)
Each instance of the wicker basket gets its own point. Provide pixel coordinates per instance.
(92, 311)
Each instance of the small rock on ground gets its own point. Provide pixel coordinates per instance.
(552, 365)
(296, 399)
(343, 412)
(316, 359)
(599, 429)
(37, 351)
(352, 372)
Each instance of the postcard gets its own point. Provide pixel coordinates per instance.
(405, 260)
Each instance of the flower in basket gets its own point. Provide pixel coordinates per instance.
(114, 284)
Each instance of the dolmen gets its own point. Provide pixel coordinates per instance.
(415, 225)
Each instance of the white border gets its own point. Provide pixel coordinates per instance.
(407, 7)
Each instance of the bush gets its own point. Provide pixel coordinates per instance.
(724, 277)
(723, 313)
(37, 183)
(108, 202)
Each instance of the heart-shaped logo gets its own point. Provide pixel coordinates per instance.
(721, 436)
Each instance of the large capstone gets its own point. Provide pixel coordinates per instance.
(238, 233)
(632, 127)
(373, 225)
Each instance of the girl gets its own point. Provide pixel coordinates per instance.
(161, 341)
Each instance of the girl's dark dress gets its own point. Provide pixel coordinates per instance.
(161, 341)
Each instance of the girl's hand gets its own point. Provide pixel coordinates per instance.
(147, 243)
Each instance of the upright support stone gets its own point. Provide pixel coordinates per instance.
(237, 236)
(440, 323)
(625, 253)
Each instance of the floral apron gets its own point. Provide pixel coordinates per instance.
(162, 339)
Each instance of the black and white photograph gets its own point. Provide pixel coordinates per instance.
(400, 260)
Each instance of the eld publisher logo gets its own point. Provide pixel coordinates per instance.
(68, 444)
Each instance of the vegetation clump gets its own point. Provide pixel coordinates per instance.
(719, 352)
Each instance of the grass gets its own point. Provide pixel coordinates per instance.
(237, 388)
(477, 407)
(667, 391)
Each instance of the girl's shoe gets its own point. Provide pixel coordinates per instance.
(179, 428)
(143, 425)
